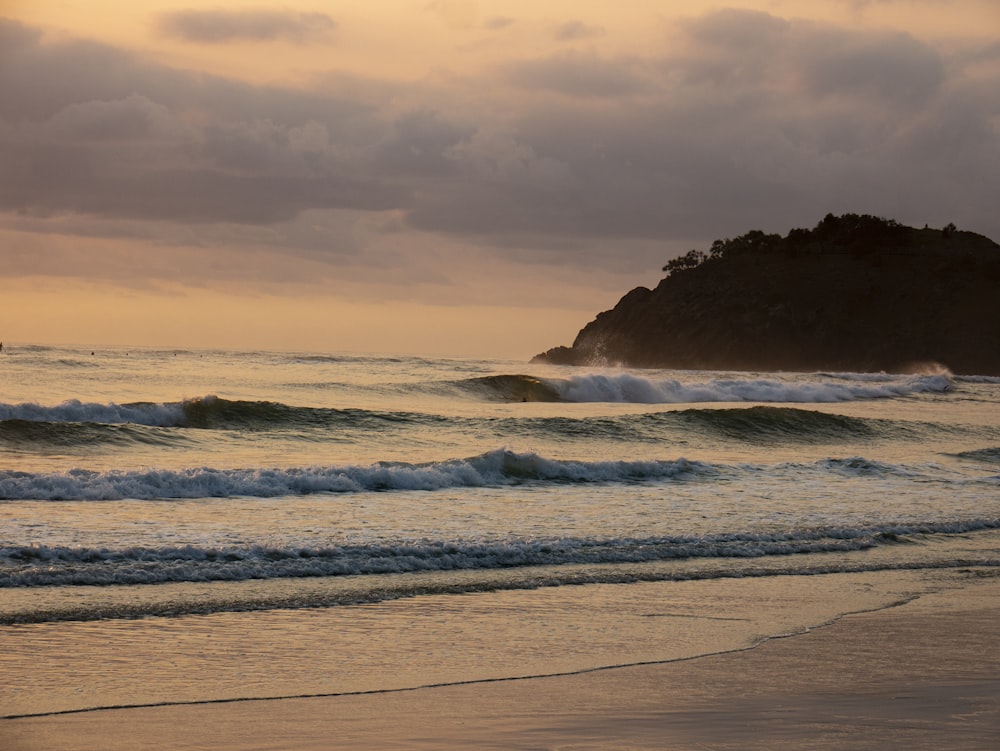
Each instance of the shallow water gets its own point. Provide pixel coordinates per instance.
(427, 640)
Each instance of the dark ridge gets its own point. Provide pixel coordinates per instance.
(856, 293)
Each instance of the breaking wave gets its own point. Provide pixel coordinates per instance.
(213, 412)
(498, 468)
(39, 565)
(641, 389)
(495, 468)
(81, 425)
(518, 388)
(208, 412)
(637, 389)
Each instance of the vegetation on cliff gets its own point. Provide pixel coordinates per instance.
(856, 292)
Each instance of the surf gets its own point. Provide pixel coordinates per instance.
(633, 388)
(499, 468)
(41, 565)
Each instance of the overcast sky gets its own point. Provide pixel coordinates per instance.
(453, 176)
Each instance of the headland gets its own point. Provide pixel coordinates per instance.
(855, 293)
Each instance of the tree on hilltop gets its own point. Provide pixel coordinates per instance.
(857, 232)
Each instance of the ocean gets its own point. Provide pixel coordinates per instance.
(194, 526)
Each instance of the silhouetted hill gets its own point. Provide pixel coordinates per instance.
(856, 293)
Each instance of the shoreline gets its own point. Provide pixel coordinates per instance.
(454, 684)
(923, 674)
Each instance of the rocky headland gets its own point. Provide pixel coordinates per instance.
(855, 293)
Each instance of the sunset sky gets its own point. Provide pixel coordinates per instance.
(454, 177)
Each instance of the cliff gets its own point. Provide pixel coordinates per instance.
(856, 293)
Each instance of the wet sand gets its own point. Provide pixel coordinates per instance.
(923, 675)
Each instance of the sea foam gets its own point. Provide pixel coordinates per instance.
(495, 468)
(627, 387)
(40, 565)
(73, 410)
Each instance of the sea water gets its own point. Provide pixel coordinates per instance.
(184, 525)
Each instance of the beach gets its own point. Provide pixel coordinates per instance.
(232, 550)
(461, 374)
(921, 673)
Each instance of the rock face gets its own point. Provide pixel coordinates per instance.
(856, 293)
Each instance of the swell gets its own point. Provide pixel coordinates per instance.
(760, 423)
(33, 435)
(32, 566)
(75, 423)
(790, 424)
(989, 455)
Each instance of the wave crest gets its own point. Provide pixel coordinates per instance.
(207, 412)
(494, 468)
(498, 468)
(626, 387)
(28, 566)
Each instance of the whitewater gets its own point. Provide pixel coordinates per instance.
(179, 484)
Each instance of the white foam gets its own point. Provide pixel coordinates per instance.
(977, 379)
(46, 566)
(73, 410)
(627, 387)
(495, 468)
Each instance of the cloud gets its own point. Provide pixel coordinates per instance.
(133, 118)
(574, 30)
(496, 23)
(225, 27)
(418, 144)
(750, 120)
(878, 67)
(92, 129)
(40, 76)
(746, 120)
(579, 75)
(455, 14)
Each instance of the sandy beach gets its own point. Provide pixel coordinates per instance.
(921, 675)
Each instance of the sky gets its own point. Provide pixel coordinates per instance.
(454, 177)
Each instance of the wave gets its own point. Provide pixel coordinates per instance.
(630, 388)
(978, 379)
(788, 424)
(495, 468)
(209, 412)
(75, 424)
(637, 389)
(40, 565)
(75, 411)
(498, 468)
(27, 434)
(519, 388)
(213, 412)
(987, 455)
(757, 423)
